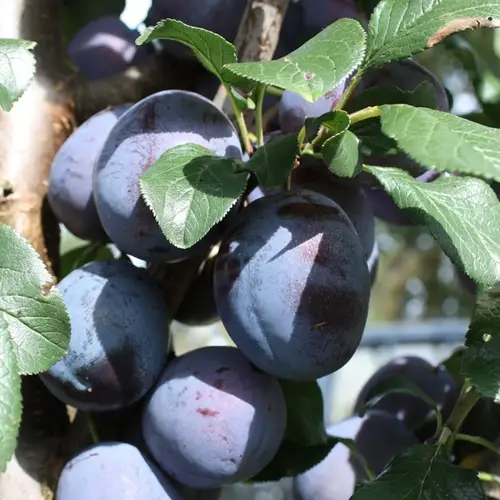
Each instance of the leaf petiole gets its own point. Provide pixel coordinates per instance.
(365, 114)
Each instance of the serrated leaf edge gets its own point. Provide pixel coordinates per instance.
(28, 46)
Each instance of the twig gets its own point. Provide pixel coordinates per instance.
(257, 38)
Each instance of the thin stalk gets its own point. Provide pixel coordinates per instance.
(478, 440)
(365, 114)
(259, 102)
(240, 120)
(349, 90)
(468, 398)
(92, 429)
(274, 91)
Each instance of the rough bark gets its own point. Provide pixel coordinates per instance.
(38, 124)
(30, 135)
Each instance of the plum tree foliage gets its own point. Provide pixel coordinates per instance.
(274, 237)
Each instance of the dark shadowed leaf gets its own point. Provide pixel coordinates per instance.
(422, 473)
(273, 162)
(481, 361)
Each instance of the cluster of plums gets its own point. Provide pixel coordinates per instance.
(290, 281)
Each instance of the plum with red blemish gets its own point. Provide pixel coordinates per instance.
(292, 285)
(141, 135)
(214, 418)
(119, 337)
(114, 471)
(70, 184)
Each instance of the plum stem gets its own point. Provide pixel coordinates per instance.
(365, 114)
(468, 398)
(240, 120)
(92, 429)
(271, 90)
(261, 92)
(349, 91)
(478, 440)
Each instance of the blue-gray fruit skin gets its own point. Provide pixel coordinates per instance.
(294, 109)
(378, 437)
(113, 471)
(292, 285)
(70, 184)
(105, 47)
(352, 199)
(417, 415)
(141, 135)
(119, 337)
(214, 418)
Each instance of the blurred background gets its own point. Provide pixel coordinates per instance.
(419, 305)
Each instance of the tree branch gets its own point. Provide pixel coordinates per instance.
(30, 135)
(257, 38)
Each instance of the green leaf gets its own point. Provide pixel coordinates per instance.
(211, 49)
(401, 28)
(273, 162)
(321, 64)
(37, 320)
(304, 403)
(189, 190)
(443, 141)
(17, 68)
(77, 14)
(336, 122)
(341, 155)
(293, 459)
(422, 473)
(462, 214)
(402, 385)
(79, 256)
(482, 358)
(10, 397)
